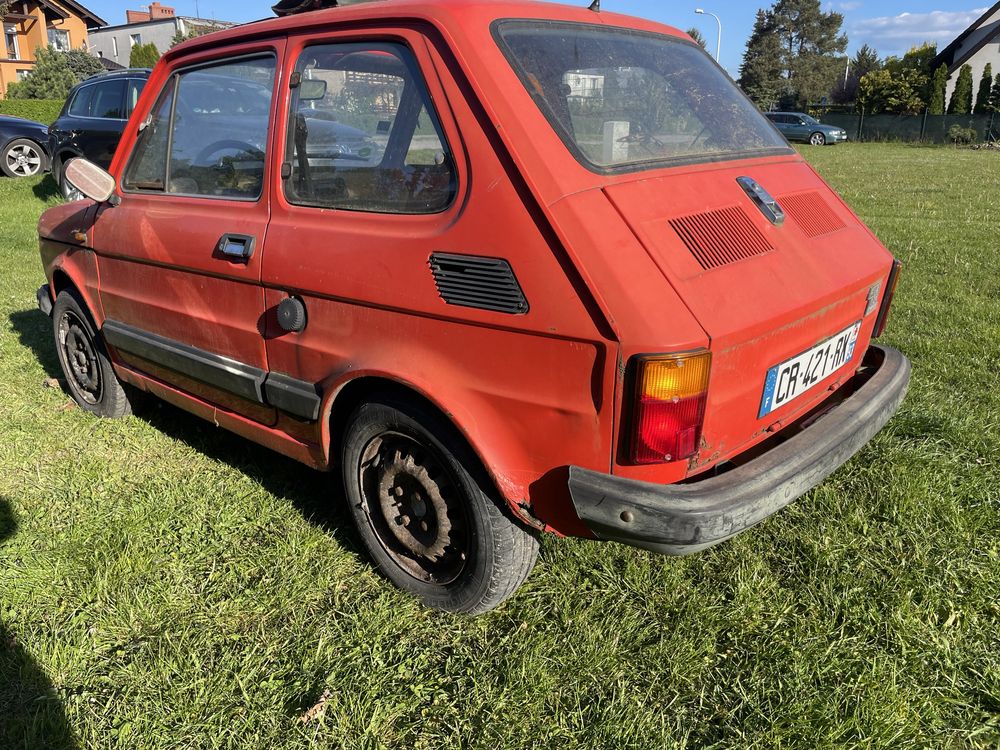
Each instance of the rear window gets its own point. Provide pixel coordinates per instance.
(623, 99)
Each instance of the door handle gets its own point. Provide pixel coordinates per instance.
(236, 246)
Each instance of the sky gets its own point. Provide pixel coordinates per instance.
(890, 26)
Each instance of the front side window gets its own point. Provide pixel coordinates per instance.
(102, 100)
(362, 134)
(207, 134)
(624, 100)
(59, 39)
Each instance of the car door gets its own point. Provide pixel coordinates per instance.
(95, 119)
(799, 129)
(179, 257)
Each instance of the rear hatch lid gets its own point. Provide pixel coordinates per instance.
(764, 292)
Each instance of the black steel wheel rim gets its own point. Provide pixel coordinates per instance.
(413, 505)
(79, 358)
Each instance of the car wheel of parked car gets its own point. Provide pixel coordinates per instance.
(425, 515)
(69, 192)
(84, 359)
(22, 158)
(817, 139)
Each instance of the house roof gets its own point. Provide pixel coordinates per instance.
(947, 55)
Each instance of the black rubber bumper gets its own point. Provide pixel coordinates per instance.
(679, 519)
(44, 299)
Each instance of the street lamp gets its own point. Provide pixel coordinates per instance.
(718, 43)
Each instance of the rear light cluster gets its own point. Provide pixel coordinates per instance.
(890, 291)
(669, 406)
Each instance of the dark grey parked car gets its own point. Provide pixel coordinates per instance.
(22, 147)
(93, 118)
(798, 126)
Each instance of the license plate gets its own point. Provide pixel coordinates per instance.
(797, 375)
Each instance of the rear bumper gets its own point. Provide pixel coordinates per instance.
(679, 519)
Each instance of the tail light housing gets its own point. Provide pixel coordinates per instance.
(890, 291)
(668, 406)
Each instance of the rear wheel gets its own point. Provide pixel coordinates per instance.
(69, 192)
(22, 157)
(90, 378)
(817, 139)
(431, 524)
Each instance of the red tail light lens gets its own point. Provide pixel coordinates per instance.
(890, 291)
(669, 406)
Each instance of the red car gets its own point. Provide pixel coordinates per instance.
(506, 267)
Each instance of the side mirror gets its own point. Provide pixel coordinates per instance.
(90, 179)
(312, 89)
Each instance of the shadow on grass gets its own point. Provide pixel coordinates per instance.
(317, 495)
(46, 189)
(34, 330)
(31, 714)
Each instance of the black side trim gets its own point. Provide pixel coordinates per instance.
(297, 397)
(476, 281)
(213, 369)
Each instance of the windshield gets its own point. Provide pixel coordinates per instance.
(624, 99)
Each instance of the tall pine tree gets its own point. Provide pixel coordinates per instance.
(995, 95)
(961, 97)
(985, 85)
(939, 90)
(760, 72)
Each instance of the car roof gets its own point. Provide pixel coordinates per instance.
(443, 13)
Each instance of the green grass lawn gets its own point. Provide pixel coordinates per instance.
(165, 584)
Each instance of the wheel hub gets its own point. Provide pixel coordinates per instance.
(413, 508)
(80, 356)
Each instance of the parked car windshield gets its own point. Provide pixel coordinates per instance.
(624, 99)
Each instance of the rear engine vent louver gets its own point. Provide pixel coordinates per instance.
(812, 213)
(716, 238)
(474, 281)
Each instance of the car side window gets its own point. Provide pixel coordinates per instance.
(135, 86)
(363, 134)
(102, 100)
(207, 133)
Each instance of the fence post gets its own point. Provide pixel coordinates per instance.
(923, 124)
(861, 125)
(989, 134)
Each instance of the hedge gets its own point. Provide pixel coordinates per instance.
(41, 110)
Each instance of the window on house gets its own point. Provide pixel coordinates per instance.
(114, 46)
(135, 39)
(10, 41)
(22, 74)
(59, 39)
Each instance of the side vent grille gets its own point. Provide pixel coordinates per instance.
(812, 213)
(474, 281)
(717, 238)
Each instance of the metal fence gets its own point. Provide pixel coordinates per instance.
(926, 128)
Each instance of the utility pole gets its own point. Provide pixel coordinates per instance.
(718, 42)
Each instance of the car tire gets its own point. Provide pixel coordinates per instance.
(817, 139)
(22, 157)
(69, 192)
(84, 359)
(427, 515)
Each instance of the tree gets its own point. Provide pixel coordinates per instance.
(812, 46)
(143, 56)
(865, 60)
(193, 31)
(795, 51)
(961, 97)
(697, 36)
(985, 85)
(760, 71)
(51, 78)
(882, 91)
(995, 95)
(83, 64)
(939, 90)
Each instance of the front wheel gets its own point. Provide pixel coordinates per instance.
(817, 139)
(427, 519)
(22, 158)
(90, 378)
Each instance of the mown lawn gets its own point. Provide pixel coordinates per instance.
(164, 584)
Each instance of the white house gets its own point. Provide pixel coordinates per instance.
(977, 45)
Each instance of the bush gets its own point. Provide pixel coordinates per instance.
(40, 110)
(51, 78)
(143, 56)
(962, 136)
